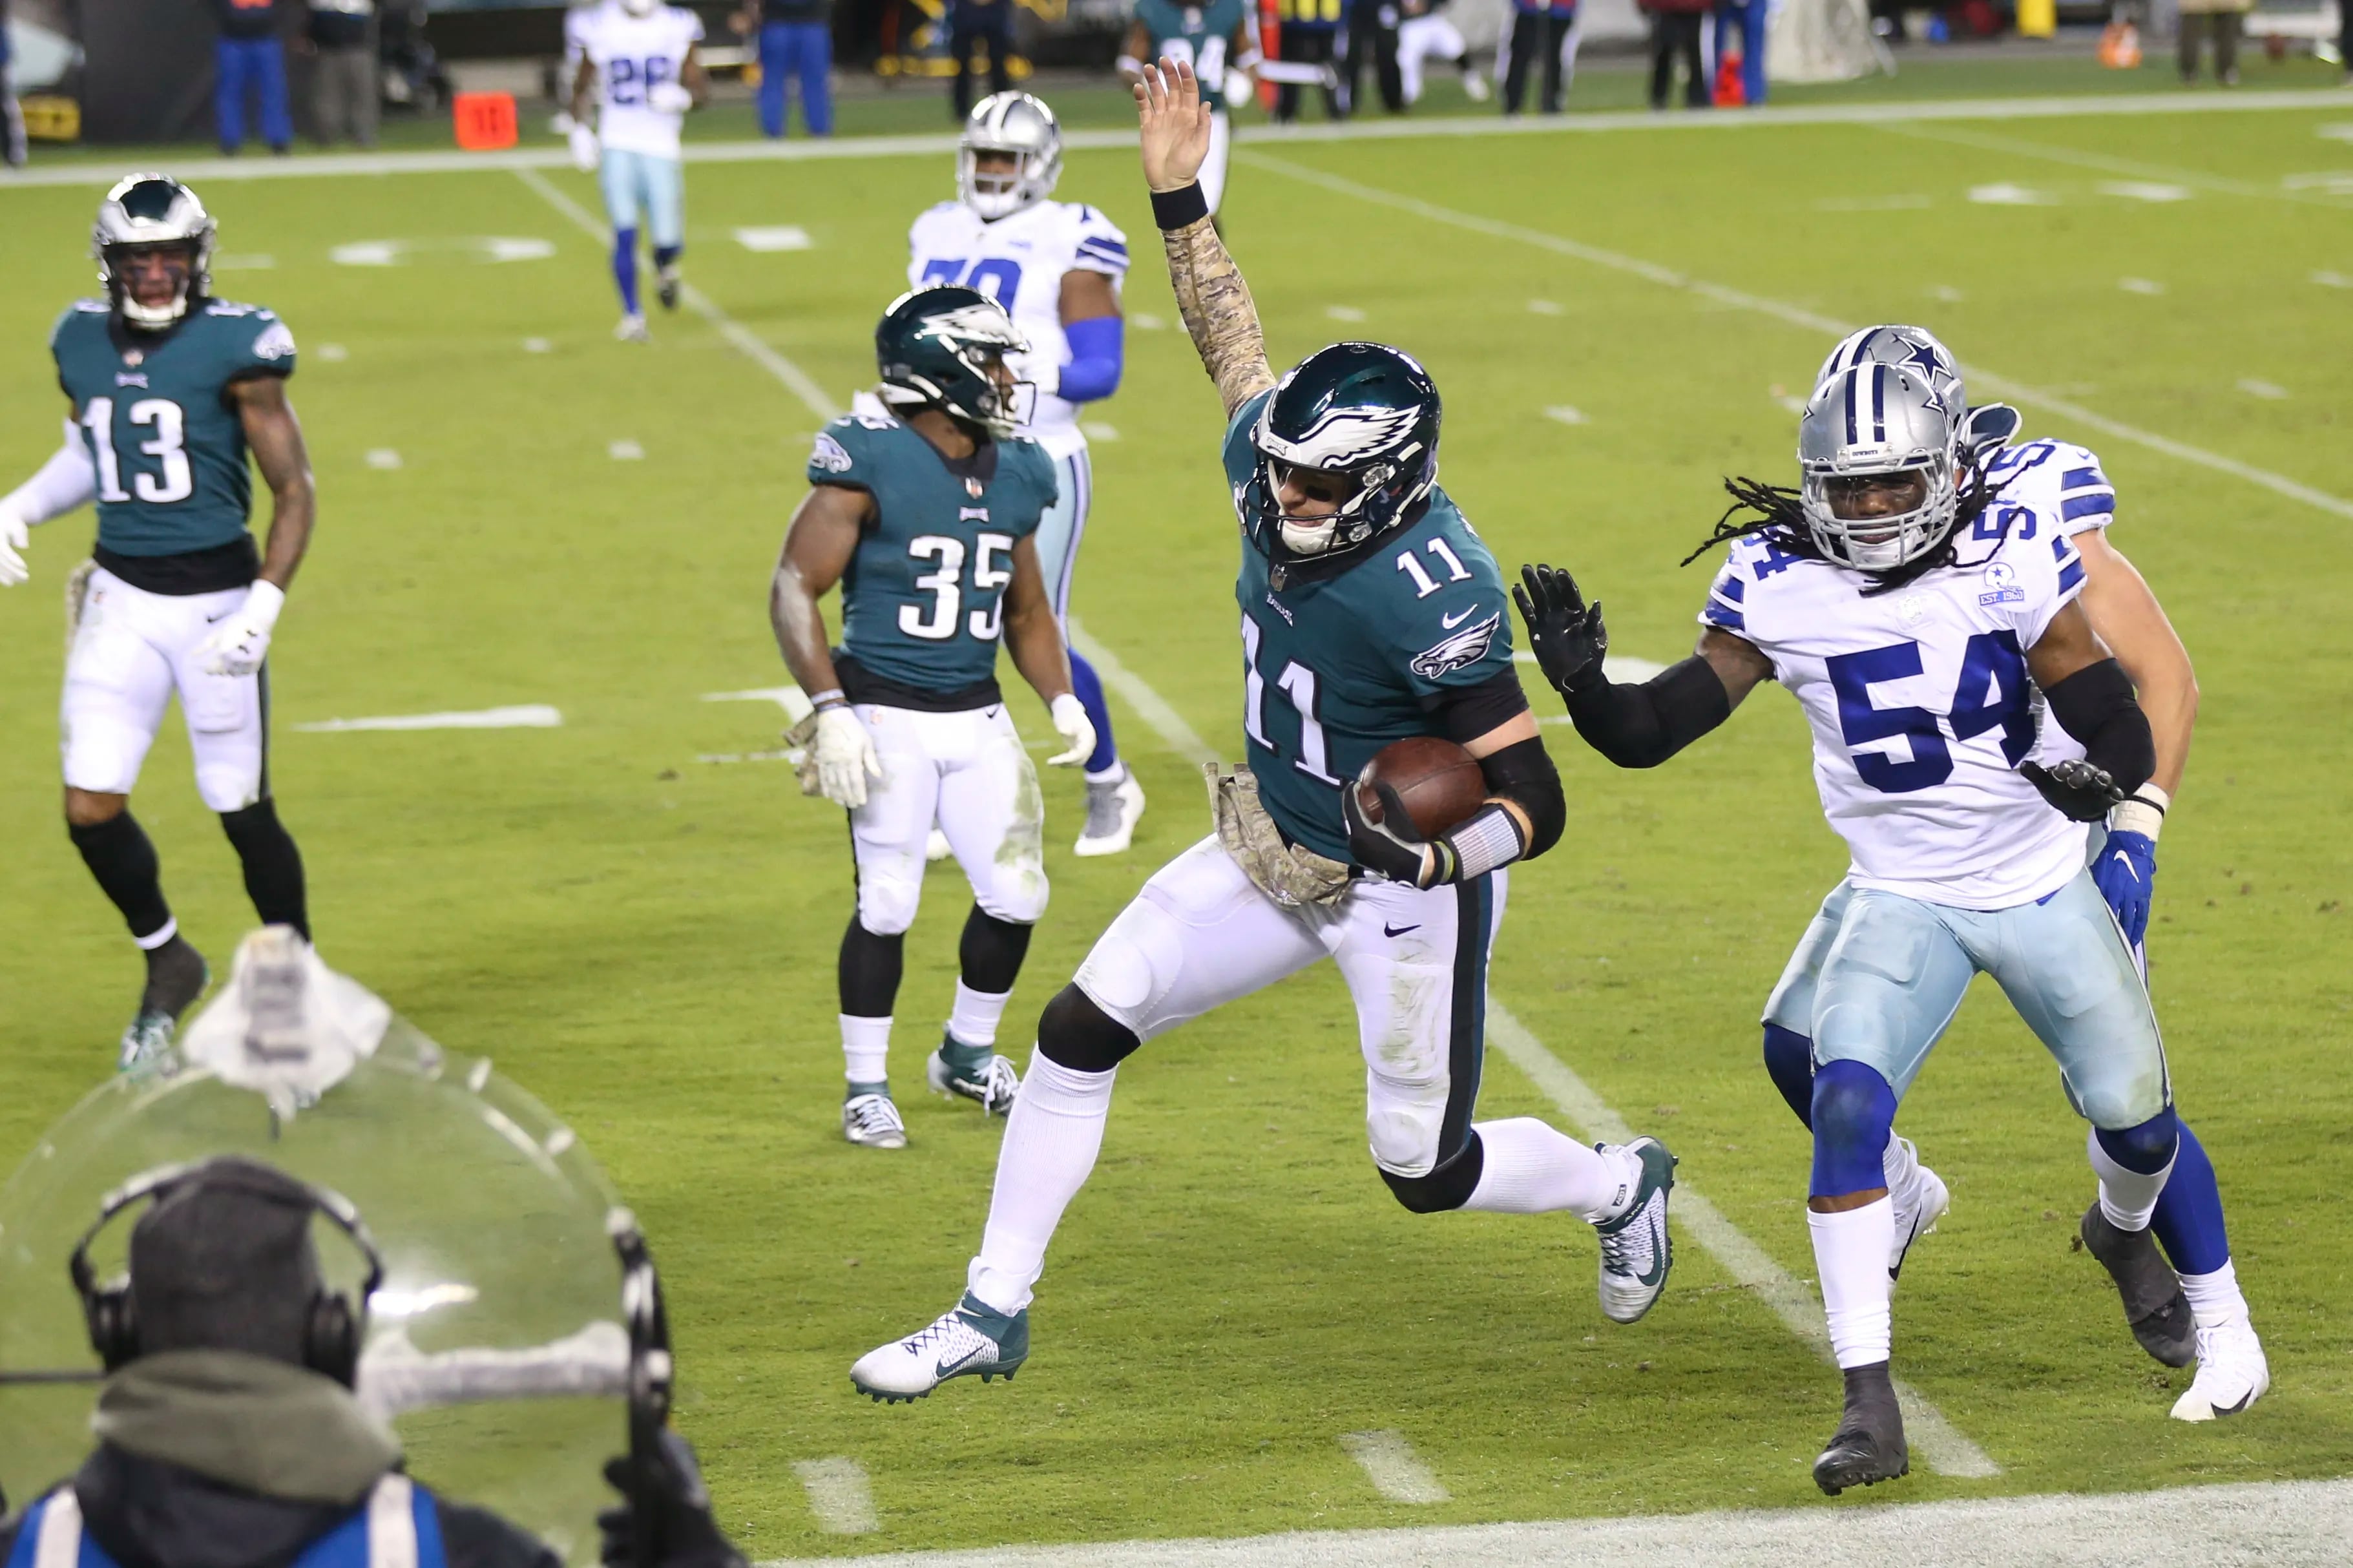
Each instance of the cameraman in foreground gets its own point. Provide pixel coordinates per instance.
(228, 1433)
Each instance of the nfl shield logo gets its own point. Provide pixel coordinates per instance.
(973, 487)
(133, 358)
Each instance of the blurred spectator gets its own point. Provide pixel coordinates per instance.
(250, 56)
(795, 40)
(1540, 30)
(413, 78)
(344, 92)
(12, 118)
(1428, 33)
(1308, 31)
(1741, 23)
(2221, 19)
(971, 24)
(1373, 38)
(1674, 30)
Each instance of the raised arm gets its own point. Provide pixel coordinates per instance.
(1211, 294)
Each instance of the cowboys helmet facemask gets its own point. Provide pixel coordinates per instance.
(143, 212)
(1019, 124)
(1363, 412)
(1922, 353)
(1872, 420)
(937, 347)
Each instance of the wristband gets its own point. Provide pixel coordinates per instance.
(1173, 210)
(1488, 842)
(2144, 813)
(262, 602)
(831, 697)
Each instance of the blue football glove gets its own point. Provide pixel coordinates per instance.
(2126, 873)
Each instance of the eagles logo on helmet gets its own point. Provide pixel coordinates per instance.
(944, 347)
(1363, 412)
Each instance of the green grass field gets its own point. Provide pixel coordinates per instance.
(646, 941)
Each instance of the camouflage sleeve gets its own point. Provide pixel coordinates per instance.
(1218, 312)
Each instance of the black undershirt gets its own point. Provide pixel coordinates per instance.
(232, 565)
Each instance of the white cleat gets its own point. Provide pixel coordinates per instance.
(971, 1341)
(936, 848)
(994, 1087)
(1113, 812)
(2231, 1374)
(871, 1122)
(1636, 1252)
(1475, 87)
(1919, 1198)
(632, 330)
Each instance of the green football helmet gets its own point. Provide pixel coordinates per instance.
(146, 212)
(942, 347)
(1363, 412)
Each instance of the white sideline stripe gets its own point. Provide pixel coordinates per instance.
(1396, 1472)
(1936, 1442)
(2245, 1525)
(838, 1495)
(529, 716)
(1150, 706)
(1979, 378)
(96, 176)
(795, 380)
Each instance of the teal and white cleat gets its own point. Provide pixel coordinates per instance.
(973, 1340)
(146, 1050)
(976, 1073)
(1636, 1253)
(872, 1122)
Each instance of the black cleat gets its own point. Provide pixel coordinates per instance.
(666, 288)
(1869, 1446)
(2156, 1309)
(175, 978)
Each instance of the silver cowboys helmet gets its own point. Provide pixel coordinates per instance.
(1921, 353)
(1872, 420)
(148, 210)
(1015, 124)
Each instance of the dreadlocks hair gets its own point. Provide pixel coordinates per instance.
(1774, 514)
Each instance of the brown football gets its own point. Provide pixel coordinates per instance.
(1439, 781)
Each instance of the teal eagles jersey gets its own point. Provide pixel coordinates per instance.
(1336, 667)
(155, 417)
(923, 602)
(1199, 34)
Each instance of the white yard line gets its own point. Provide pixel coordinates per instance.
(838, 1495)
(2171, 178)
(2255, 1524)
(1980, 379)
(794, 379)
(1396, 1472)
(529, 716)
(1150, 706)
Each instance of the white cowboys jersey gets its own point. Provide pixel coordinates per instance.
(1921, 705)
(633, 56)
(2064, 481)
(1018, 261)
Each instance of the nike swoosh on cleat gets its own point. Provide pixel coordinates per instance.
(947, 1369)
(1388, 929)
(2244, 1400)
(1658, 1256)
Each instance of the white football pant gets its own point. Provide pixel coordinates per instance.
(133, 651)
(968, 772)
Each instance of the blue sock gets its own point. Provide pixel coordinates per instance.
(2189, 1219)
(1854, 1115)
(1088, 687)
(666, 253)
(625, 267)
(1789, 1058)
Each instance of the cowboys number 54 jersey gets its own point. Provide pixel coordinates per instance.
(1018, 261)
(1921, 706)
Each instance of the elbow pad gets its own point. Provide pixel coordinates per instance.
(1523, 773)
(2097, 705)
(1643, 726)
(1097, 358)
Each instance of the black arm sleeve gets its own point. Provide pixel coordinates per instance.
(1643, 726)
(1523, 773)
(2097, 705)
(1468, 712)
(477, 1538)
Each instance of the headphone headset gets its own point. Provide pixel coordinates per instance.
(331, 1342)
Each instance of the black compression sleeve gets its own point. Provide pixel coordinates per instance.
(1643, 726)
(1523, 773)
(1467, 712)
(2097, 705)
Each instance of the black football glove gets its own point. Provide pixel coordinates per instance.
(1565, 633)
(2075, 788)
(676, 1522)
(1391, 848)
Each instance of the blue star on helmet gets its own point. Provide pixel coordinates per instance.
(1926, 358)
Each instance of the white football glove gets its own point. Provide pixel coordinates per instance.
(584, 148)
(14, 537)
(1070, 716)
(669, 98)
(241, 641)
(845, 757)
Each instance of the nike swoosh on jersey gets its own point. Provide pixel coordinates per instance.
(1450, 622)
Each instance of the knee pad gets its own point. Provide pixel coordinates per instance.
(1790, 1061)
(1405, 1124)
(1132, 966)
(1449, 1187)
(2147, 1149)
(1016, 893)
(1854, 1113)
(232, 789)
(1075, 1032)
(888, 894)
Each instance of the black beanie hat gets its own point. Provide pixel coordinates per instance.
(224, 1261)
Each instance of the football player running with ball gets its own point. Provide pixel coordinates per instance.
(1370, 614)
(171, 389)
(1911, 617)
(927, 516)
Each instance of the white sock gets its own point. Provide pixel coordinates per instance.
(975, 1020)
(2214, 1299)
(1851, 1258)
(1050, 1142)
(1112, 775)
(160, 935)
(1529, 1168)
(865, 1047)
(1898, 1163)
(2126, 1197)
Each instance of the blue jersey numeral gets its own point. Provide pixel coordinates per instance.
(994, 276)
(1992, 693)
(627, 81)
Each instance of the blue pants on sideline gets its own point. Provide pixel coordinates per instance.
(803, 49)
(1748, 23)
(258, 65)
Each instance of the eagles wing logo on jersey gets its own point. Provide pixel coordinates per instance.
(829, 454)
(275, 342)
(1457, 651)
